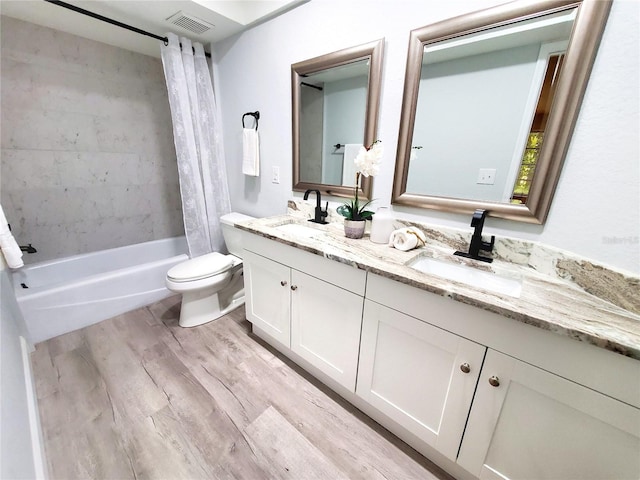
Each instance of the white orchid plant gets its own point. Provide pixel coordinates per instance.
(367, 164)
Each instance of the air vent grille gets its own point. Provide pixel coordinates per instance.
(189, 22)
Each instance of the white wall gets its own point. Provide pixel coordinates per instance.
(596, 210)
(20, 454)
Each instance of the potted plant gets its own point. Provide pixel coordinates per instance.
(367, 164)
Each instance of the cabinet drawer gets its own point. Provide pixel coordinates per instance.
(343, 276)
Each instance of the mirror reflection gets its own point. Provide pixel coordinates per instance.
(483, 102)
(334, 100)
(333, 103)
(490, 102)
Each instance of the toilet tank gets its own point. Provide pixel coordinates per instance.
(233, 236)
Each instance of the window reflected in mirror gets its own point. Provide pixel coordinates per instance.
(536, 135)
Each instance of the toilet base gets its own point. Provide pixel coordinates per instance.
(204, 306)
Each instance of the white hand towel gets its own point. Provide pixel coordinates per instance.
(250, 152)
(408, 238)
(351, 151)
(10, 249)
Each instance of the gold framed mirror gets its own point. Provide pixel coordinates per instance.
(335, 100)
(490, 103)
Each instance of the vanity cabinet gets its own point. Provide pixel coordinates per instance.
(480, 394)
(316, 316)
(420, 376)
(268, 296)
(545, 406)
(529, 423)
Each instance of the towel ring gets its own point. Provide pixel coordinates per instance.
(255, 115)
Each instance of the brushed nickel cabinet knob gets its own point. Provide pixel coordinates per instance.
(494, 381)
(283, 282)
(294, 287)
(465, 368)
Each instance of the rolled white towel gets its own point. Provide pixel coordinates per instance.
(408, 238)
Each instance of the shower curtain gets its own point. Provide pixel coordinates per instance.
(198, 139)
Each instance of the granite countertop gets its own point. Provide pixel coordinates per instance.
(560, 293)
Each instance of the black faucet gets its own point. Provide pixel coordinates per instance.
(477, 244)
(320, 214)
(29, 249)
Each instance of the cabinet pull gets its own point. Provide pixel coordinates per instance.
(465, 368)
(294, 287)
(283, 282)
(494, 381)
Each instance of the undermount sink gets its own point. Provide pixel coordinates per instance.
(298, 230)
(480, 279)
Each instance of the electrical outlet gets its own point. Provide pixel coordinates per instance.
(275, 175)
(486, 176)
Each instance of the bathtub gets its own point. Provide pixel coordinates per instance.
(73, 292)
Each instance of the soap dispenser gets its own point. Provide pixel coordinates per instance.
(381, 226)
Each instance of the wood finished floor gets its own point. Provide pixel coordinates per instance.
(137, 397)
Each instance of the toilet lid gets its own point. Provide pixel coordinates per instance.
(200, 267)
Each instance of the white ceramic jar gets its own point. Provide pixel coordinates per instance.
(381, 225)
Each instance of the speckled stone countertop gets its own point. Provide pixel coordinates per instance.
(560, 292)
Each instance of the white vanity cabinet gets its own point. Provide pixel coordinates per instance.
(482, 395)
(529, 423)
(317, 314)
(325, 327)
(268, 296)
(545, 406)
(421, 376)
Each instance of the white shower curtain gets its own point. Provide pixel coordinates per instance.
(198, 140)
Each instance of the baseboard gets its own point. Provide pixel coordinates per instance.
(37, 444)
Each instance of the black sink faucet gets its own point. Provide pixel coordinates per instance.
(477, 244)
(320, 214)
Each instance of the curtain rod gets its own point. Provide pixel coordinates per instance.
(113, 22)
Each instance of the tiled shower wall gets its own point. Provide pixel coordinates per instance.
(88, 160)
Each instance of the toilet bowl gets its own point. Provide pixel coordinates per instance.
(211, 285)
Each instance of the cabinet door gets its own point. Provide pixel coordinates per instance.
(528, 423)
(267, 296)
(325, 327)
(419, 375)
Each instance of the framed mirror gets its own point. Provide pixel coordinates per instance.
(490, 102)
(335, 99)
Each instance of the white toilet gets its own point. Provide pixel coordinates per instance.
(211, 285)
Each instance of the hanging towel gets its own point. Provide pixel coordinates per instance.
(406, 239)
(250, 152)
(351, 151)
(10, 249)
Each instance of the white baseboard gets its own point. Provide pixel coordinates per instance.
(37, 444)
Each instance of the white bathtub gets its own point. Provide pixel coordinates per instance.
(74, 292)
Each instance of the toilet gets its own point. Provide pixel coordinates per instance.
(211, 285)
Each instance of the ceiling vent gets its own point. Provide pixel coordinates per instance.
(189, 22)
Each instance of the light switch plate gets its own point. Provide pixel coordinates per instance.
(275, 175)
(486, 176)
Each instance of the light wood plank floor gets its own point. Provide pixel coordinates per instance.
(137, 396)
